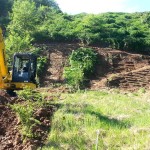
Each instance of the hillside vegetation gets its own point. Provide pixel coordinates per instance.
(33, 21)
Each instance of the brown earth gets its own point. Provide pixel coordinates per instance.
(10, 136)
(112, 62)
(57, 55)
(123, 70)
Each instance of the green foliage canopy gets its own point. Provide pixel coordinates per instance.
(22, 26)
(42, 21)
(81, 66)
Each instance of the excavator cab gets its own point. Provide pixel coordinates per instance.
(24, 68)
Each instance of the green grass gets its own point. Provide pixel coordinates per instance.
(103, 120)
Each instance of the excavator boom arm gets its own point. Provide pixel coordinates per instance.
(3, 64)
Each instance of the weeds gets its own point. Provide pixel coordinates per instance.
(30, 102)
(29, 94)
(25, 115)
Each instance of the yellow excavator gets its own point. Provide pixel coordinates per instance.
(23, 72)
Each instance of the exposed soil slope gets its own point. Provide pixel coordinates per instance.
(111, 62)
(123, 70)
(57, 58)
(133, 79)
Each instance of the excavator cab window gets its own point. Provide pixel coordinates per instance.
(24, 68)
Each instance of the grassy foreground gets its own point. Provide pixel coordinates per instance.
(101, 120)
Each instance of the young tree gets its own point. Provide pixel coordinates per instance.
(22, 26)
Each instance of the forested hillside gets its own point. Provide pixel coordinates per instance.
(34, 21)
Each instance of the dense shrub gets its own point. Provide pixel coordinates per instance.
(81, 66)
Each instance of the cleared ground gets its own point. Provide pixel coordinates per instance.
(106, 119)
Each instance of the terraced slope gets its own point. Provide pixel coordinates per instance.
(126, 70)
(111, 62)
(133, 79)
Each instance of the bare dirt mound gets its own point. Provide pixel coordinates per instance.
(111, 62)
(10, 136)
(122, 70)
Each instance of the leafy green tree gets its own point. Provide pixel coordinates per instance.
(22, 26)
(52, 26)
(89, 29)
(42, 21)
(5, 8)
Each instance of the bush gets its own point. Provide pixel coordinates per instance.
(41, 62)
(85, 59)
(81, 63)
(74, 76)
